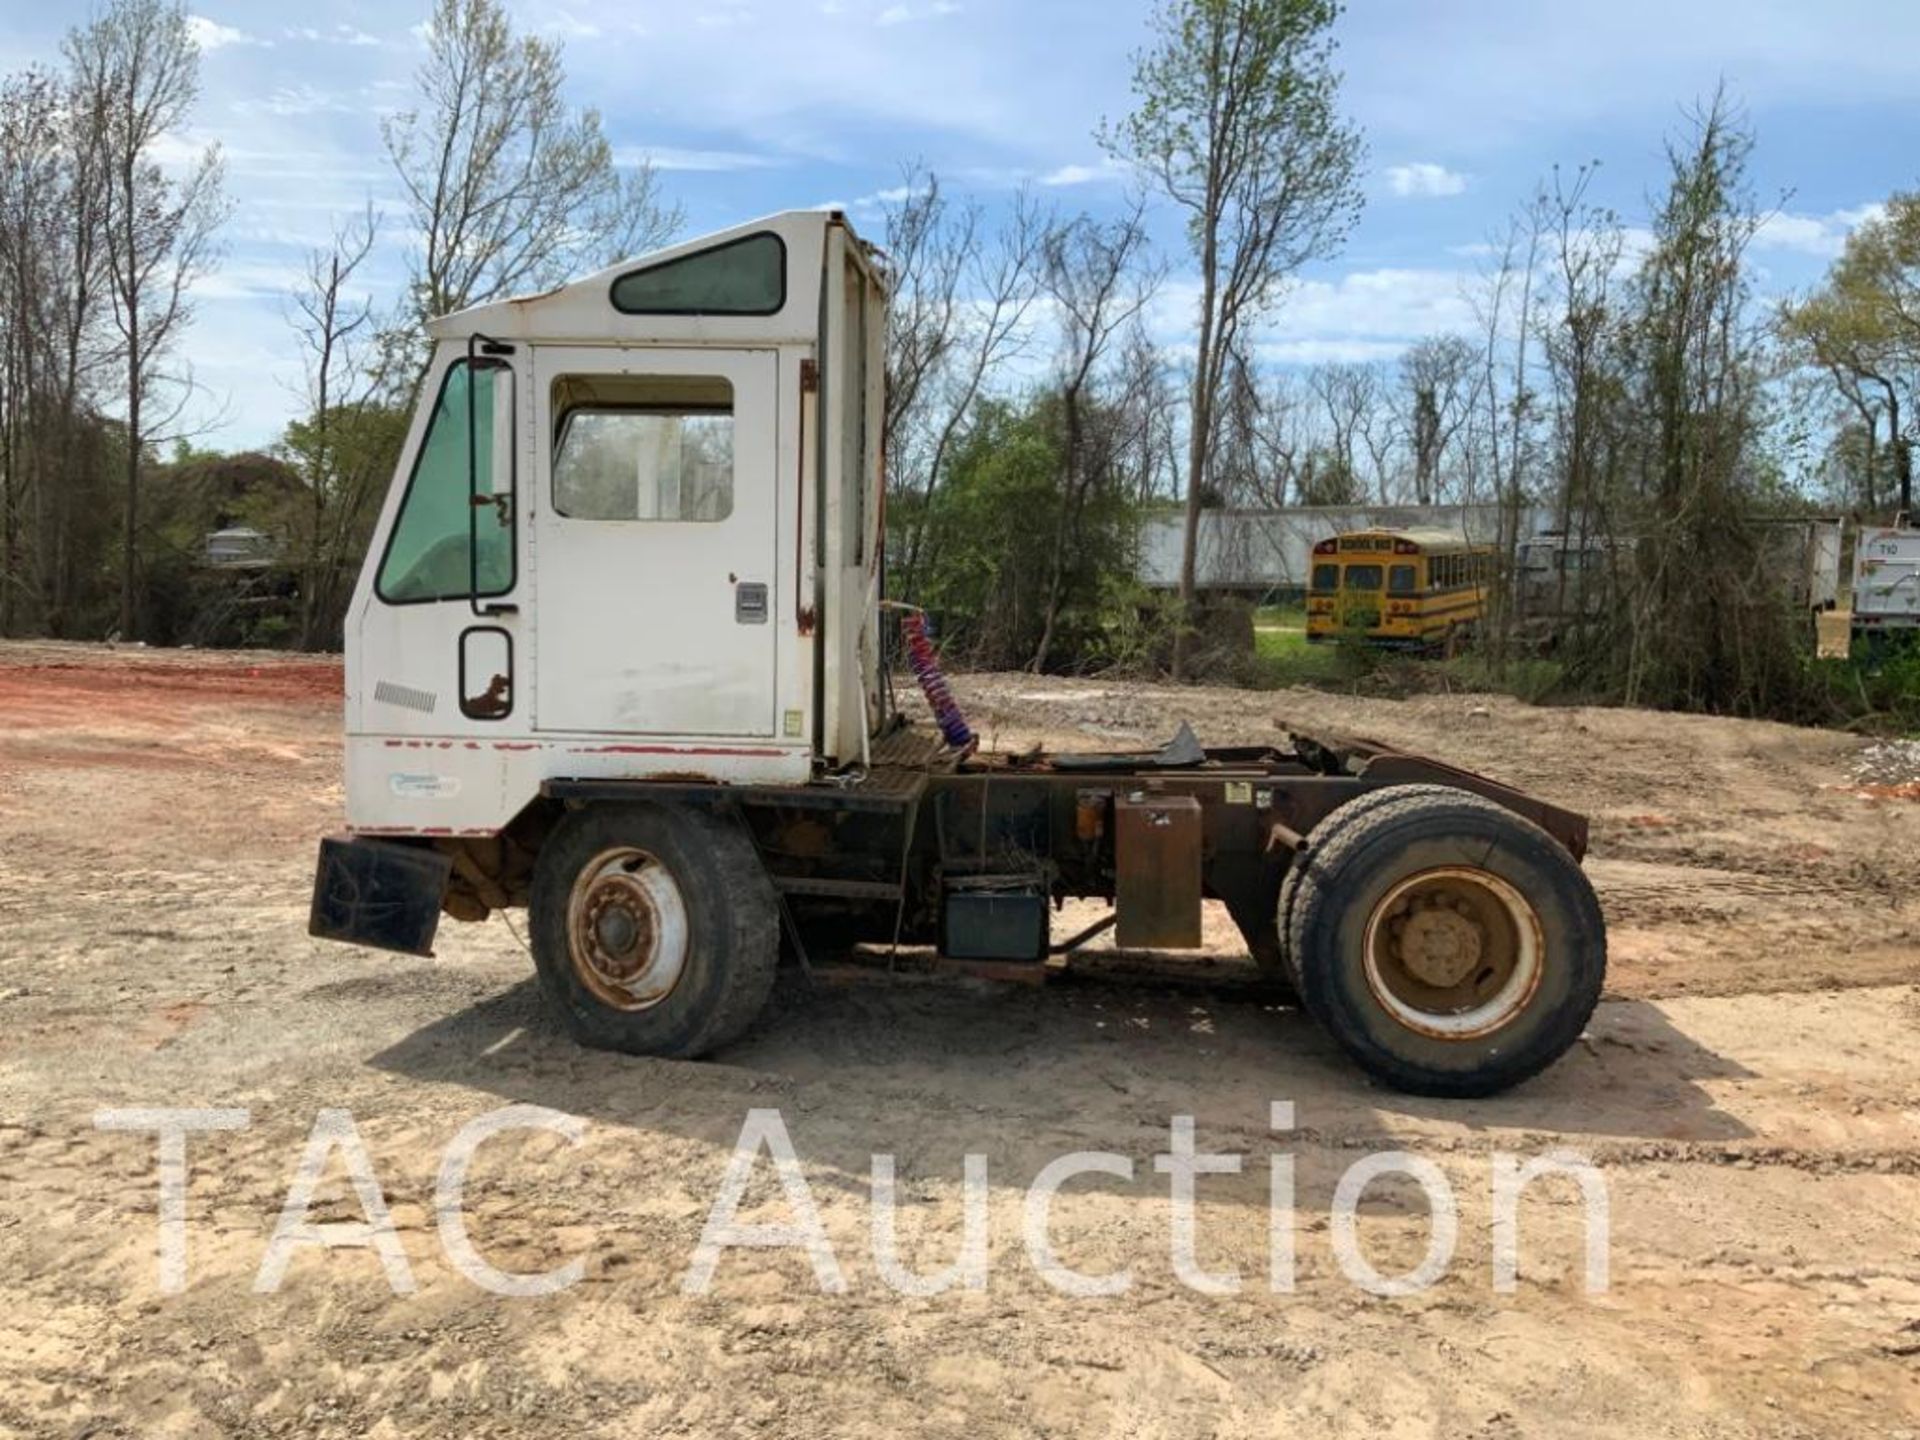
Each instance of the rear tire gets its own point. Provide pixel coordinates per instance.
(1448, 945)
(655, 930)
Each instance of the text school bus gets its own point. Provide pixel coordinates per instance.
(1416, 589)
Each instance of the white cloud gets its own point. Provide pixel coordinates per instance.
(1376, 305)
(1425, 180)
(249, 280)
(571, 26)
(1104, 169)
(342, 34)
(1363, 315)
(675, 158)
(879, 199)
(900, 14)
(212, 35)
(1330, 351)
(295, 100)
(1860, 214)
(172, 150)
(1824, 236)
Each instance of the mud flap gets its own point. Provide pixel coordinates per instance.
(378, 893)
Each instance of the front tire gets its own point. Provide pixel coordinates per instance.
(654, 929)
(1449, 946)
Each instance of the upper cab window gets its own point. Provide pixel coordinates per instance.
(742, 277)
(441, 540)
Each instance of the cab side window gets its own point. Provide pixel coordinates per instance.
(643, 447)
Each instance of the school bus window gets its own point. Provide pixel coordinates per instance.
(1400, 580)
(1363, 577)
(1326, 579)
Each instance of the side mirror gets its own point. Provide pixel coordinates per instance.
(486, 673)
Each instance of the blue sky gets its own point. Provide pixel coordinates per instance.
(749, 106)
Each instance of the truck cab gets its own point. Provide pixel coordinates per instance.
(638, 535)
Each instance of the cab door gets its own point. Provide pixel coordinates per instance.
(655, 541)
(436, 615)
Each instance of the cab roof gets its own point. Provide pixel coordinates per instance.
(583, 310)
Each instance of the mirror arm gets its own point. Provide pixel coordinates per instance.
(478, 345)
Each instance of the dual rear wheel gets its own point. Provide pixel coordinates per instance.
(1450, 946)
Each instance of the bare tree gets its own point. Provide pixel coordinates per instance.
(927, 243)
(1359, 419)
(1438, 377)
(1236, 123)
(53, 344)
(508, 188)
(32, 175)
(137, 73)
(994, 284)
(1507, 399)
(346, 374)
(1704, 642)
(1094, 276)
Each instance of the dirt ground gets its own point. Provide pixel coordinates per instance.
(1748, 1090)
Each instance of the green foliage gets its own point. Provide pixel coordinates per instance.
(1669, 398)
(1327, 479)
(1532, 678)
(990, 545)
(1862, 327)
(1877, 688)
(1288, 615)
(1236, 120)
(1284, 658)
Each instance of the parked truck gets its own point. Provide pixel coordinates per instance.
(1886, 581)
(616, 656)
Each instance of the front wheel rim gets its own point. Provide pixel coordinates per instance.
(1454, 953)
(628, 930)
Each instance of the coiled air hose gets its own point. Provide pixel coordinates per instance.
(925, 664)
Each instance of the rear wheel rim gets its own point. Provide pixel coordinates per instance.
(628, 931)
(1454, 953)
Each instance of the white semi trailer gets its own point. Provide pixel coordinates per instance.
(615, 656)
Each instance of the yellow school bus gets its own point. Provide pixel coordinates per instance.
(1414, 589)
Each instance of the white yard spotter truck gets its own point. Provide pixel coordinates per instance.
(615, 655)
